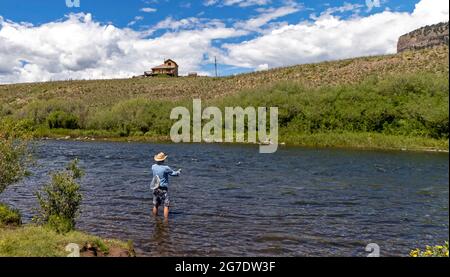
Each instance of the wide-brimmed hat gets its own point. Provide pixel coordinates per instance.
(160, 157)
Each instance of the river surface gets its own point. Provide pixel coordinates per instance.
(233, 201)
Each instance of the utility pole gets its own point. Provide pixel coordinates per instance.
(215, 64)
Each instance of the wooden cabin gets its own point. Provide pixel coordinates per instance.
(169, 68)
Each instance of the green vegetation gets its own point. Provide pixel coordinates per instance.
(410, 105)
(59, 206)
(409, 111)
(39, 241)
(59, 203)
(431, 251)
(73, 168)
(396, 101)
(13, 156)
(13, 164)
(60, 200)
(9, 217)
(62, 120)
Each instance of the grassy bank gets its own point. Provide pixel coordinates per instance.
(38, 241)
(366, 141)
(386, 102)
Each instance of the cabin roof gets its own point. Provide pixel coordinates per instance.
(170, 60)
(165, 66)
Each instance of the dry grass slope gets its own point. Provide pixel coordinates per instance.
(102, 93)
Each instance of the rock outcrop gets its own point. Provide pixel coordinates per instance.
(424, 37)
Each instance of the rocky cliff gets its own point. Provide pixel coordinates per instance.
(424, 37)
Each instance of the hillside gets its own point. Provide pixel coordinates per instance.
(390, 102)
(107, 92)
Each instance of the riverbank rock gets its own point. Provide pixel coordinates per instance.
(425, 37)
(90, 250)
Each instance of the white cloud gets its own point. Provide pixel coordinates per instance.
(329, 37)
(189, 23)
(148, 10)
(266, 16)
(240, 3)
(372, 4)
(346, 7)
(135, 20)
(262, 67)
(78, 47)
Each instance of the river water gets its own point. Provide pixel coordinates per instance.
(233, 201)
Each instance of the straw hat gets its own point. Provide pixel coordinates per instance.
(160, 157)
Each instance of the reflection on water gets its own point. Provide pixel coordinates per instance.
(161, 238)
(232, 201)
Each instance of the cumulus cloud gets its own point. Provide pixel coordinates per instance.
(79, 47)
(329, 37)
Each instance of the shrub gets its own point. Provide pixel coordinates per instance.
(75, 169)
(60, 200)
(9, 216)
(60, 119)
(431, 251)
(135, 115)
(13, 156)
(60, 224)
(39, 110)
(407, 105)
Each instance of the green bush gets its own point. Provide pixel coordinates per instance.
(407, 105)
(60, 119)
(60, 224)
(9, 216)
(76, 171)
(39, 111)
(60, 200)
(431, 251)
(136, 115)
(13, 156)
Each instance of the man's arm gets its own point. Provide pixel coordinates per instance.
(172, 172)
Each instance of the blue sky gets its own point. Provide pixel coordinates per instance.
(120, 13)
(241, 33)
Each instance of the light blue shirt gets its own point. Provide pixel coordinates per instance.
(163, 173)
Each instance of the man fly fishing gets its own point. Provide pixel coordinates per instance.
(160, 184)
